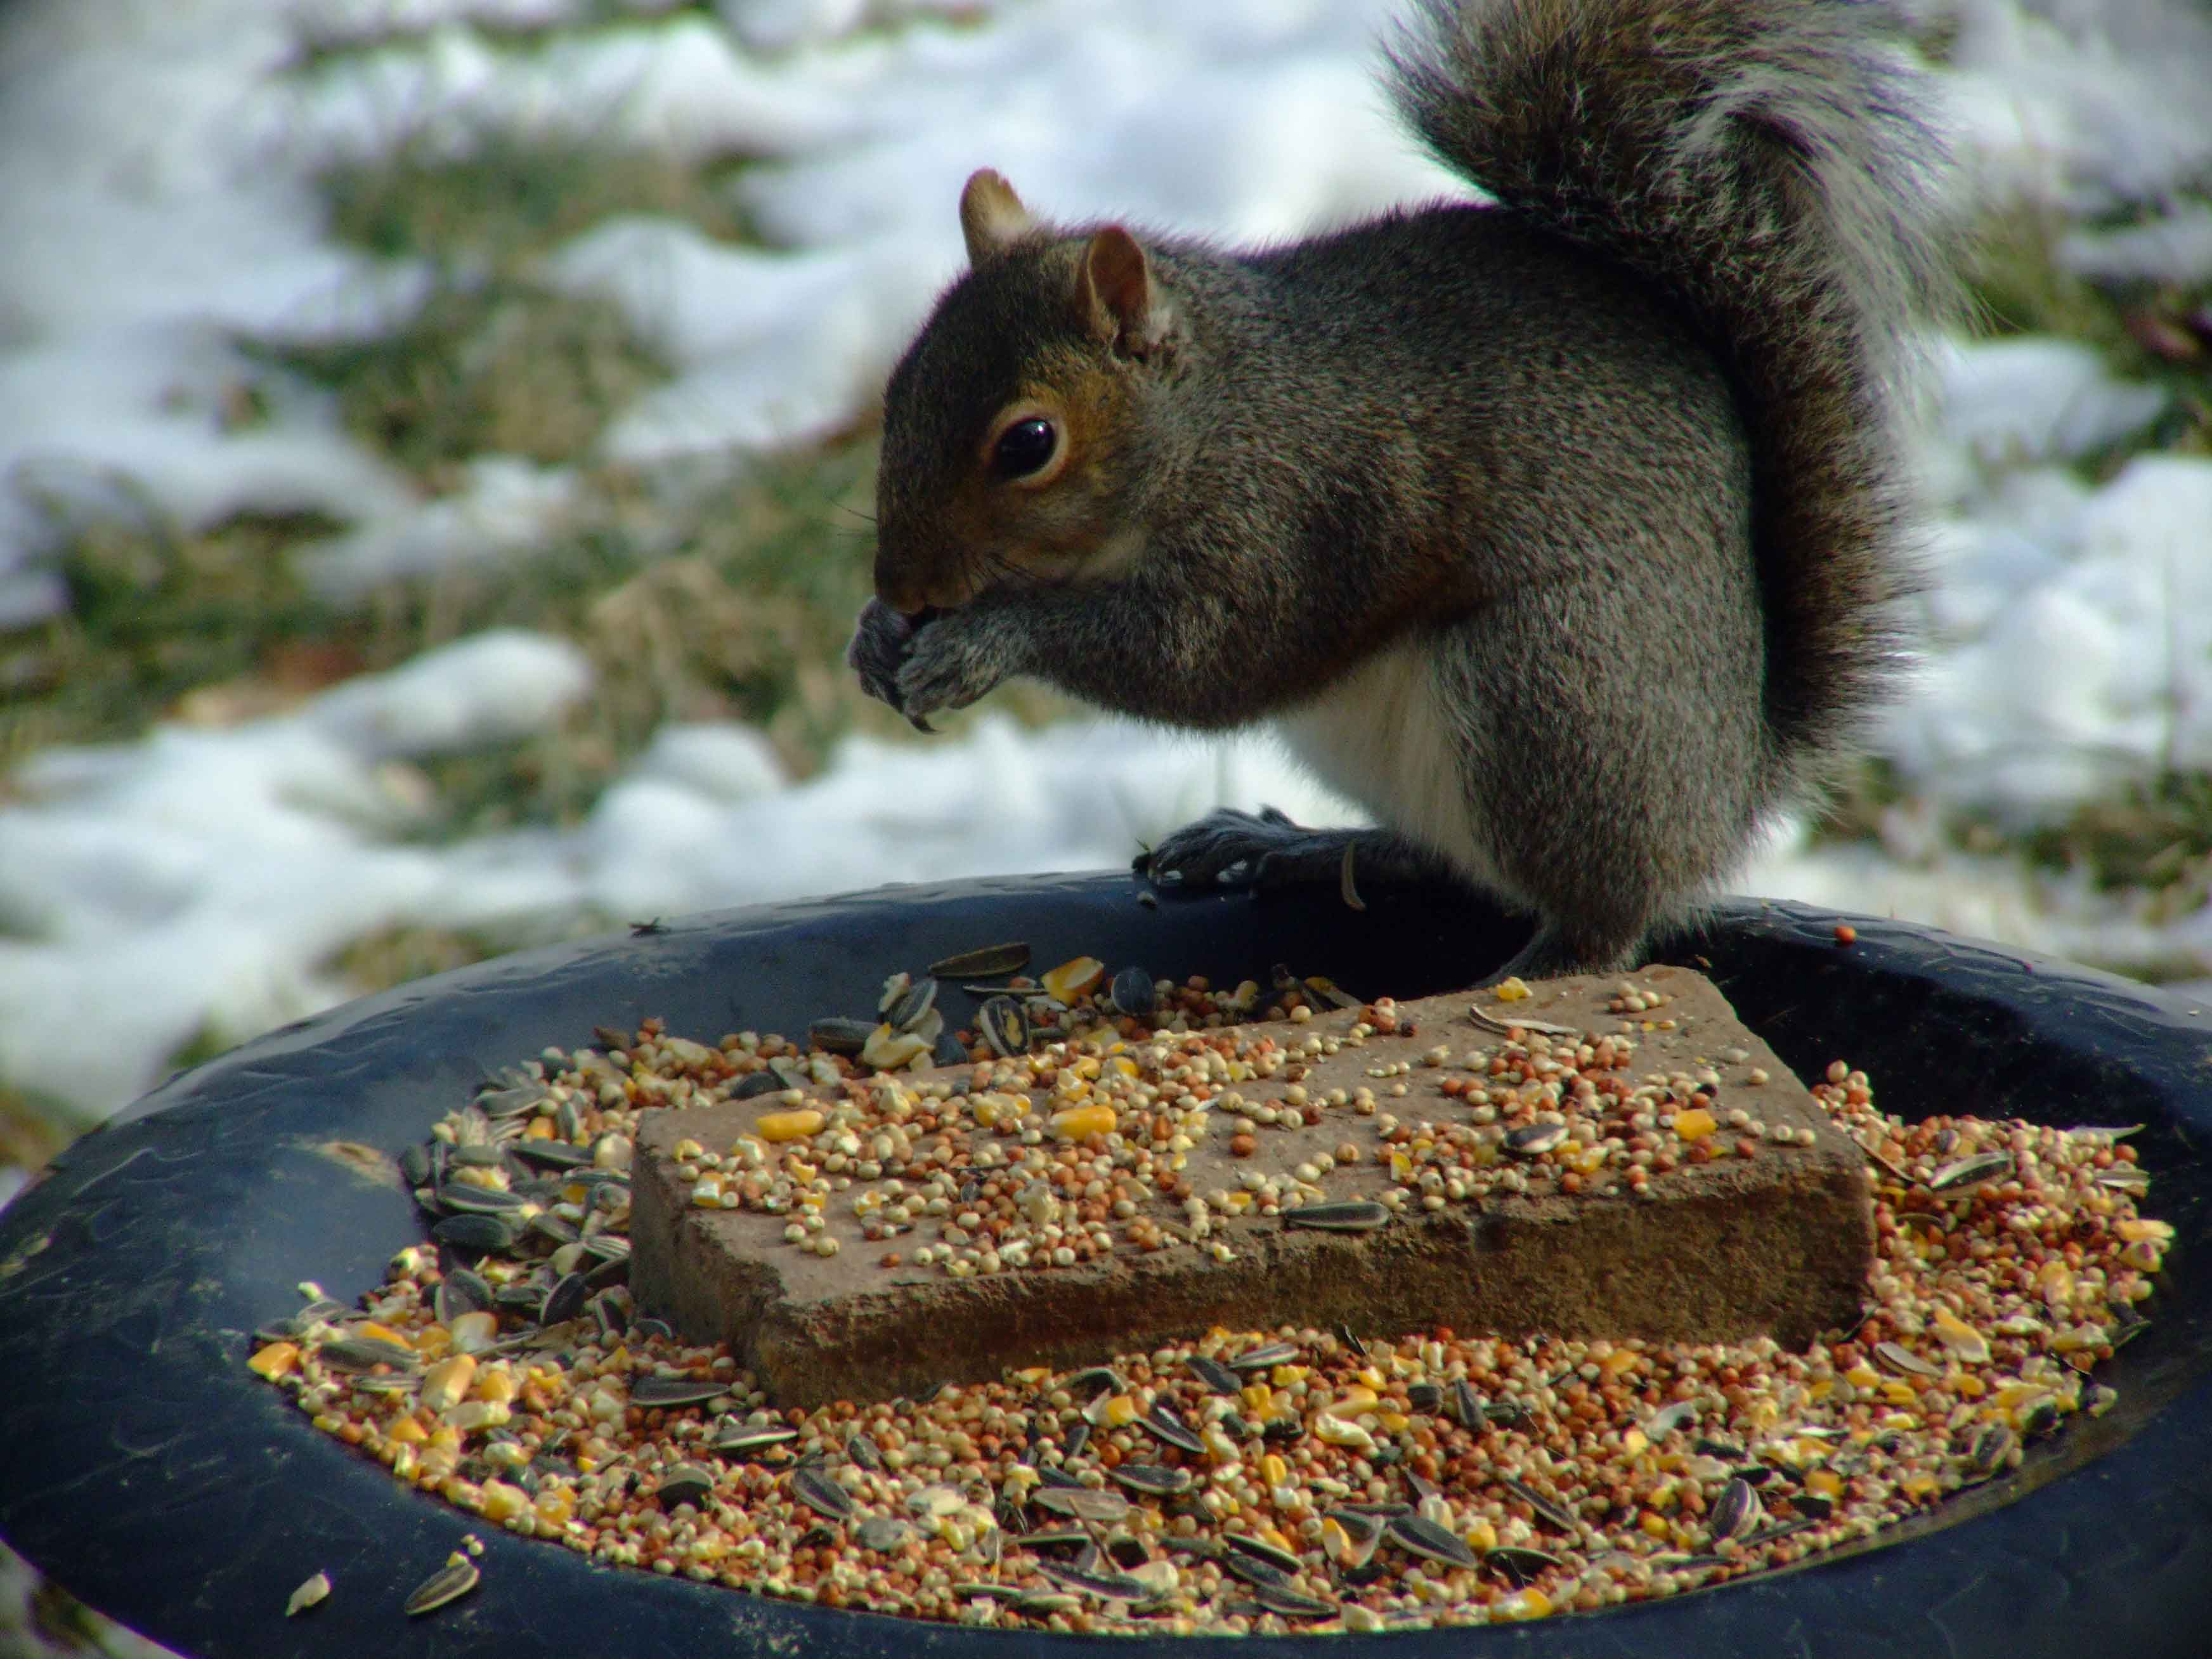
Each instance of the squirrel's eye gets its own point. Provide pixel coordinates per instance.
(1024, 448)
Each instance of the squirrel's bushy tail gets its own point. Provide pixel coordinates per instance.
(1766, 163)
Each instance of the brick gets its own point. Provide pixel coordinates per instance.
(1778, 1242)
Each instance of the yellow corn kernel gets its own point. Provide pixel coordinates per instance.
(278, 1359)
(447, 1383)
(1863, 1376)
(1695, 1124)
(1354, 1402)
(1918, 1485)
(2133, 1229)
(556, 1504)
(496, 1384)
(1335, 1541)
(369, 1327)
(1393, 1422)
(1121, 1412)
(502, 1502)
(1481, 1537)
(1621, 1360)
(1824, 1482)
(1960, 1338)
(1071, 979)
(1653, 1523)
(1511, 990)
(1531, 1603)
(1081, 1122)
(408, 1431)
(1256, 1396)
(1276, 1536)
(540, 1128)
(686, 1150)
(789, 1125)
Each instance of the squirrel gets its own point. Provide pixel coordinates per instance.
(1566, 533)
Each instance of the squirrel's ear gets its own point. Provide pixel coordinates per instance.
(992, 217)
(1117, 290)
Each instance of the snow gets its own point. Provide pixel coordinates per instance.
(157, 206)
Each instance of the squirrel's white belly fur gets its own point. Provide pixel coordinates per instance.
(1383, 735)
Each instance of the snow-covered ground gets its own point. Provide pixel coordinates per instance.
(156, 204)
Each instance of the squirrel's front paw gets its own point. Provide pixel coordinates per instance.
(952, 660)
(880, 639)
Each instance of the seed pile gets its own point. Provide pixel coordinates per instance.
(1246, 1481)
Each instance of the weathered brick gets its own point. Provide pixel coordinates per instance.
(1779, 1241)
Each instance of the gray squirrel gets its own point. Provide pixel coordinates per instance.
(1564, 533)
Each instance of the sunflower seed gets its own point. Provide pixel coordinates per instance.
(1517, 1565)
(1215, 1375)
(1993, 1448)
(449, 1583)
(1264, 1358)
(1077, 1439)
(1069, 1538)
(1736, 1510)
(1164, 1425)
(1965, 1172)
(821, 1494)
(1252, 1570)
(668, 1392)
(458, 1293)
(497, 1103)
(1905, 1360)
(360, 1353)
(839, 1036)
(1096, 1381)
(686, 1483)
(1082, 1504)
(1288, 1603)
(1668, 1418)
(1154, 1479)
(1106, 1586)
(912, 1006)
(985, 962)
(865, 1452)
(1004, 1026)
(1244, 1543)
(1362, 1532)
(1127, 1553)
(2042, 1418)
(1417, 1535)
(1467, 1407)
(1350, 1216)
(1534, 1139)
(882, 1533)
(474, 1235)
(563, 1301)
(1549, 1510)
(1133, 993)
(464, 1198)
(746, 1438)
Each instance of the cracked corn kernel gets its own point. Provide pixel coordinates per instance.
(1695, 1124)
(275, 1360)
(789, 1125)
(1081, 1122)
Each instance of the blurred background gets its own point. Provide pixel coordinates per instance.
(436, 449)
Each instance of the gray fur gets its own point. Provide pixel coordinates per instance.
(1618, 459)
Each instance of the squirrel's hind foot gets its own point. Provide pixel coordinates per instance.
(1231, 849)
(1553, 953)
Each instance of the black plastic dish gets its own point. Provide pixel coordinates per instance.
(144, 1468)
